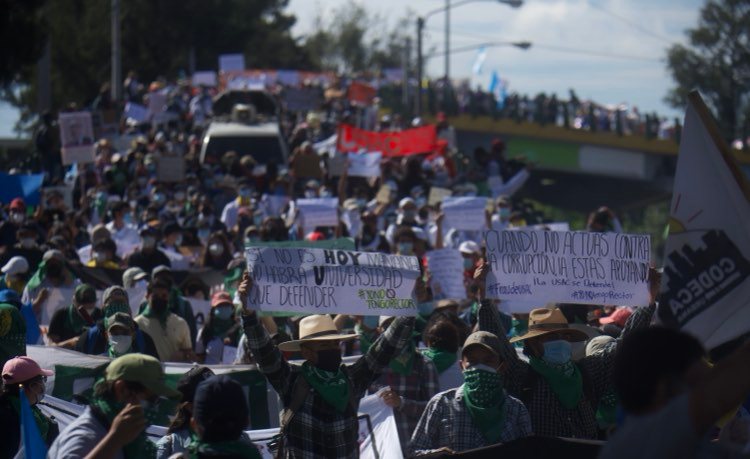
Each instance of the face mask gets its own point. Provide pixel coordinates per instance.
(329, 360)
(28, 242)
(223, 313)
(309, 194)
(120, 344)
(425, 309)
(149, 242)
(557, 352)
(468, 263)
(483, 384)
(216, 249)
(16, 217)
(159, 304)
(405, 248)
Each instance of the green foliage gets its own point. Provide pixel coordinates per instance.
(22, 33)
(717, 63)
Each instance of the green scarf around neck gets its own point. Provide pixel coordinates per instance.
(76, 321)
(149, 312)
(237, 449)
(141, 447)
(403, 363)
(484, 398)
(566, 382)
(42, 422)
(442, 359)
(333, 387)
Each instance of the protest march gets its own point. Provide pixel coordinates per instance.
(266, 258)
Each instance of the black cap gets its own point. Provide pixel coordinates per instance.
(188, 383)
(220, 408)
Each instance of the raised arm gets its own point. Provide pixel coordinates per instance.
(383, 350)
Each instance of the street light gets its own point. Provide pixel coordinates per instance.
(420, 27)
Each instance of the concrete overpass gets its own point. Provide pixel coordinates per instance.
(581, 170)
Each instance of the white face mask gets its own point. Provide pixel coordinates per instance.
(216, 249)
(120, 343)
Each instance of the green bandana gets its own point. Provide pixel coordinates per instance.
(333, 387)
(403, 363)
(221, 327)
(442, 359)
(41, 420)
(484, 398)
(236, 449)
(113, 308)
(75, 320)
(12, 333)
(141, 447)
(566, 381)
(151, 314)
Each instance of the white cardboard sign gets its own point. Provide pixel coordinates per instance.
(446, 273)
(464, 213)
(319, 212)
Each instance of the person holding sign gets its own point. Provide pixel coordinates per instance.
(478, 413)
(321, 396)
(562, 396)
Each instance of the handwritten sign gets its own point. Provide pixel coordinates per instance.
(446, 267)
(437, 195)
(322, 281)
(464, 213)
(569, 267)
(77, 138)
(364, 164)
(319, 212)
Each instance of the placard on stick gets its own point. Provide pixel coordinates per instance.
(77, 138)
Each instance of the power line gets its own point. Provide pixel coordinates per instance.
(631, 23)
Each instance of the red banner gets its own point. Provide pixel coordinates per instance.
(408, 142)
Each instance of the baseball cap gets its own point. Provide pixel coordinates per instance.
(85, 294)
(188, 383)
(20, 369)
(220, 400)
(132, 275)
(17, 204)
(220, 298)
(469, 247)
(160, 269)
(619, 317)
(120, 319)
(142, 369)
(485, 339)
(16, 265)
(54, 253)
(405, 202)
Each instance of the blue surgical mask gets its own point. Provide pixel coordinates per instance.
(557, 352)
(405, 248)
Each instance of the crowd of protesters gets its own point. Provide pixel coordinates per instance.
(460, 375)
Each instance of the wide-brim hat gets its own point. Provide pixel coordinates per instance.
(543, 321)
(315, 328)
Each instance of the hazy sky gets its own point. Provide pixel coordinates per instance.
(641, 29)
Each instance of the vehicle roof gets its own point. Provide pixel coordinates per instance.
(233, 129)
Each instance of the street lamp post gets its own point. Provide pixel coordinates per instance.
(420, 29)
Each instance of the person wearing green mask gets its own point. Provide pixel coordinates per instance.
(169, 331)
(320, 397)
(480, 412)
(409, 382)
(116, 334)
(114, 423)
(68, 323)
(561, 395)
(222, 328)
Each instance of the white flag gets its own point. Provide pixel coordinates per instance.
(705, 288)
(479, 61)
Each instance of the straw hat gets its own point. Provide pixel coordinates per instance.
(315, 328)
(543, 321)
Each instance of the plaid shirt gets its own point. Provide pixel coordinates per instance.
(447, 423)
(548, 416)
(415, 389)
(317, 430)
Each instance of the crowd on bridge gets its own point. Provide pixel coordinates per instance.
(112, 262)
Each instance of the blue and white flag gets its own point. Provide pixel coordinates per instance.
(479, 61)
(497, 87)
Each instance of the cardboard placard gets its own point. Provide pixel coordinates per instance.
(76, 137)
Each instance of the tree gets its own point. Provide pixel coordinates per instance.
(158, 38)
(353, 40)
(22, 31)
(717, 63)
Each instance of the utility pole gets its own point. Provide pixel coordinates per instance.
(116, 82)
(405, 58)
(447, 53)
(418, 96)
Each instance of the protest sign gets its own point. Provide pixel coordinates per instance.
(157, 102)
(361, 93)
(406, 142)
(170, 168)
(705, 288)
(464, 213)
(77, 138)
(364, 164)
(21, 186)
(204, 78)
(569, 267)
(302, 99)
(319, 212)
(326, 146)
(230, 62)
(272, 205)
(323, 281)
(437, 195)
(136, 112)
(446, 272)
